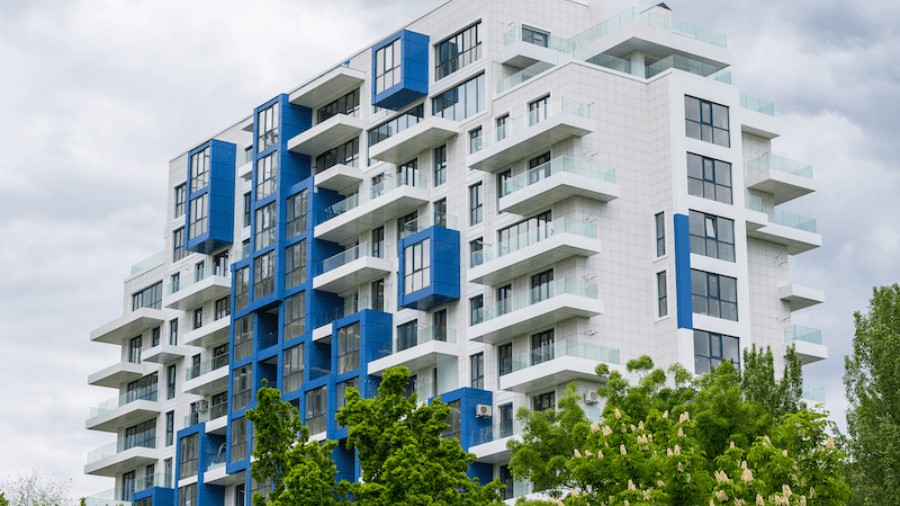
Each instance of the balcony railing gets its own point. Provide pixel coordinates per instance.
(242, 252)
(216, 461)
(155, 480)
(198, 370)
(553, 42)
(406, 178)
(757, 105)
(535, 295)
(355, 253)
(498, 431)
(196, 277)
(206, 415)
(144, 440)
(148, 262)
(769, 161)
(421, 223)
(688, 65)
(565, 348)
(805, 334)
(422, 336)
(558, 165)
(351, 307)
(111, 497)
(779, 217)
(142, 394)
(654, 20)
(562, 106)
(533, 236)
(813, 393)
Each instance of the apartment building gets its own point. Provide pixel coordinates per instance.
(499, 196)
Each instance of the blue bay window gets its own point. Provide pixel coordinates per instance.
(429, 269)
(210, 211)
(400, 66)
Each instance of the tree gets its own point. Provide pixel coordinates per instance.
(32, 490)
(872, 381)
(758, 383)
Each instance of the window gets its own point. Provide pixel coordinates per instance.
(417, 266)
(476, 252)
(241, 288)
(455, 420)
(142, 389)
(342, 391)
(476, 310)
(296, 215)
(198, 318)
(476, 203)
(507, 479)
(168, 470)
(239, 498)
(180, 197)
(540, 286)
(378, 295)
(171, 378)
(506, 419)
(504, 359)
(461, 102)
(660, 234)
(148, 297)
(220, 264)
(243, 338)
(134, 350)
(524, 233)
(238, 439)
(440, 165)
(187, 495)
(348, 348)
(476, 370)
(295, 265)
(266, 168)
(174, 282)
(127, 486)
(377, 242)
(538, 110)
(408, 173)
(542, 347)
(154, 337)
(475, 143)
(189, 456)
(706, 121)
(199, 271)
(199, 170)
(502, 180)
(241, 386)
(220, 356)
(345, 154)
(403, 221)
(711, 349)
(457, 52)
(223, 308)
(504, 300)
(170, 428)
(544, 401)
(141, 435)
(348, 104)
(536, 37)
(178, 244)
(264, 275)
(294, 316)
(219, 406)
(661, 295)
(712, 236)
(267, 128)
(265, 226)
(708, 178)
(440, 213)
(199, 214)
(407, 335)
(293, 368)
(714, 295)
(502, 123)
(315, 410)
(439, 325)
(387, 66)
(173, 332)
(396, 125)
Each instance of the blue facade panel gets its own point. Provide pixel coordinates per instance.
(413, 85)
(159, 496)
(220, 191)
(683, 272)
(208, 446)
(444, 277)
(470, 425)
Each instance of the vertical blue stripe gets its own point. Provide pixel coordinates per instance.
(683, 272)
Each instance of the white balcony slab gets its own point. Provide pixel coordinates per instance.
(128, 326)
(535, 316)
(782, 185)
(800, 297)
(757, 123)
(558, 371)
(212, 382)
(216, 476)
(352, 274)
(494, 452)
(120, 372)
(797, 241)
(163, 354)
(211, 288)
(210, 334)
(556, 188)
(521, 54)
(323, 333)
(124, 416)
(418, 357)
(326, 135)
(639, 37)
(534, 257)
(392, 204)
(123, 461)
(218, 425)
(340, 178)
(529, 141)
(333, 84)
(809, 352)
(404, 146)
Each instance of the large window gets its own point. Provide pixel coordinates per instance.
(187, 495)
(348, 104)
(476, 203)
(524, 233)
(455, 420)
(243, 338)
(296, 215)
(540, 286)
(141, 435)
(295, 265)
(504, 359)
(199, 216)
(293, 368)
(180, 198)
(241, 288)
(542, 347)
(345, 154)
(706, 121)
(294, 316)
(711, 349)
(263, 275)
(459, 103)
(378, 295)
(407, 335)
(396, 125)
(241, 387)
(662, 297)
(457, 52)
(266, 218)
(267, 127)
(199, 170)
(178, 244)
(708, 178)
(223, 308)
(315, 410)
(342, 391)
(148, 297)
(714, 294)
(348, 348)
(134, 349)
(238, 439)
(189, 454)
(660, 234)
(439, 325)
(387, 66)
(440, 165)
(171, 379)
(417, 266)
(712, 236)
(266, 169)
(476, 371)
(476, 310)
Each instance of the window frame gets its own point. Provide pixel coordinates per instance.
(710, 294)
(662, 295)
(476, 309)
(439, 164)
(294, 316)
(243, 329)
(417, 266)
(713, 361)
(264, 275)
(267, 127)
(295, 265)
(462, 101)
(266, 175)
(388, 62)
(476, 203)
(348, 347)
(294, 365)
(180, 198)
(476, 371)
(701, 245)
(242, 386)
(707, 181)
(698, 126)
(200, 165)
(199, 220)
(449, 58)
(660, 222)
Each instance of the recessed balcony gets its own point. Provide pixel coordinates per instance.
(757, 117)
(490, 442)
(531, 134)
(335, 83)
(797, 233)
(416, 351)
(210, 283)
(785, 179)
(207, 416)
(325, 135)
(555, 181)
(126, 409)
(538, 308)
(800, 297)
(210, 334)
(390, 198)
(124, 455)
(540, 247)
(559, 363)
(406, 145)
(132, 324)
(353, 267)
(807, 343)
(207, 378)
(120, 372)
(163, 353)
(340, 178)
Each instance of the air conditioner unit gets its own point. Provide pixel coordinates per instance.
(202, 405)
(482, 411)
(591, 398)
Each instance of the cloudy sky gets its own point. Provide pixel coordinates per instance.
(98, 95)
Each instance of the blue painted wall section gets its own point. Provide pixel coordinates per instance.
(444, 269)
(471, 426)
(220, 219)
(413, 85)
(159, 496)
(683, 272)
(207, 447)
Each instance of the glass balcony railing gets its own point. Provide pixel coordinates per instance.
(769, 161)
(148, 262)
(779, 217)
(155, 480)
(550, 61)
(352, 306)
(206, 415)
(196, 277)
(425, 392)
(563, 164)
(144, 440)
(553, 42)
(565, 348)
(198, 370)
(388, 183)
(350, 254)
(421, 336)
(216, 461)
(535, 295)
(111, 497)
(539, 233)
(813, 393)
(654, 20)
(688, 65)
(142, 394)
(562, 106)
(757, 105)
(805, 334)
(442, 220)
(500, 430)
(242, 252)
(524, 75)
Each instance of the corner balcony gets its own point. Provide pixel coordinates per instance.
(813, 393)
(124, 455)
(333, 84)
(531, 134)
(785, 179)
(339, 178)
(210, 334)
(128, 326)
(524, 48)
(394, 196)
(353, 267)
(120, 372)
(207, 378)
(126, 409)
(416, 352)
(490, 442)
(538, 308)
(560, 363)
(406, 145)
(534, 250)
(197, 288)
(800, 297)
(208, 416)
(555, 181)
(797, 233)
(757, 117)
(325, 135)
(807, 343)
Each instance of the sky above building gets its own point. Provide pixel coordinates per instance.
(98, 95)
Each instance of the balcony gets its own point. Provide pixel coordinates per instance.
(148, 262)
(490, 443)
(353, 267)
(406, 145)
(120, 372)
(340, 178)
(797, 233)
(390, 198)
(325, 135)
(538, 308)
(800, 297)
(785, 179)
(111, 497)
(559, 179)
(333, 84)
(132, 324)
(126, 409)
(559, 363)
(807, 343)
(534, 250)
(757, 117)
(443, 220)
(531, 134)
(124, 455)
(420, 352)
(210, 334)
(522, 49)
(208, 415)
(163, 353)
(211, 283)
(813, 394)
(207, 378)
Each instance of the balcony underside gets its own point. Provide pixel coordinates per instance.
(395, 203)
(326, 135)
(639, 37)
(333, 84)
(535, 317)
(534, 257)
(213, 382)
(521, 54)
(530, 141)
(339, 178)
(800, 297)
(494, 452)
(352, 274)
(192, 296)
(558, 371)
(556, 188)
(758, 124)
(796, 241)
(404, 146)
(121, 372)
(123, 461)
(782, 185)
(209, 335)
(418, 357)
(124, 416)
(128, 326)
(163, 354)
(809, 352)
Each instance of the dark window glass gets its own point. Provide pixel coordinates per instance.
(241, 288)
(476, 369)
(148, 297)
(243, 338)
(241, 388)
(712, 236)
(294, 316)
(180, 197)
(440, 165)
(660, 234)
(267, 128)
(178, 251)
(295, 265)
(711, 349)
(266, 221)
(348, 104)
(189, 454)
(348, 348)
(296, 215)
(706, 121)
(439, 325)
(542, 347)
(315, 410)
(708, 178)
(540, 286)
(199, 214)
(378, 295)
(248, 210)
(345, 154)
(407, 335)
(544, 401)
(476, 204)
(396, 125)
(171, 379)
(170, 428)
(459, 103)
(457, 52)
(238, 439)
(504, 358)
(476, 310)
(714, 295)
(662, 294)
(476, 252)
(535, 37)
(199, 170)
(293, 368)
(263, 275)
